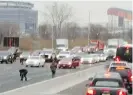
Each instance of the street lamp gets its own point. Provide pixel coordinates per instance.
(89, 30)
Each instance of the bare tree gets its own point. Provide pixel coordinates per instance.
(58, 14)
(44, 31)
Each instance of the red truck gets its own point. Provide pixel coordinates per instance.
(96, 45)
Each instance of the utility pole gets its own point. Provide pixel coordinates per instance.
(52, 37)
(53, 32)
(89, 30)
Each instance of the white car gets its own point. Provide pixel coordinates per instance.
(87, 59)
(35, 61)
(63, 54)
(102, 56)
(96, 58)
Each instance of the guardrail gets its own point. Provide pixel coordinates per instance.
(54, 85)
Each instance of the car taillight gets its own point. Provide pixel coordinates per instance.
(121, 92)
(131, 79)
(91, 91)
(130, 75)
(117, 58)
(91, 84)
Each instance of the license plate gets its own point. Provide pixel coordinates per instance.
(105, 94)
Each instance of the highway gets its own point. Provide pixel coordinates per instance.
(10, 78)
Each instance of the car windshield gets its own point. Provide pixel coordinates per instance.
(64, 53)
(25, 53)
(34, 57)
(112, 46)
(106, 83)
(99, 52)
(66, 59)
(48, 51)
(87, 56)
(119, 64)
(61, 45)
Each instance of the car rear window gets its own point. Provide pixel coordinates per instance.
(105, 83)
(115, 69)
(119, 64)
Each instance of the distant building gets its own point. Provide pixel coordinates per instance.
(20, 13)
(119, 18)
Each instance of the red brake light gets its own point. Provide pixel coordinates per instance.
(91, 84)
(117, 59)
(130, 75)
(127, 47)
(91, 91)
(131, 78)
(121, 92)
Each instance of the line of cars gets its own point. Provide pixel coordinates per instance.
(66, 59)
(117, 80)
(69, 59)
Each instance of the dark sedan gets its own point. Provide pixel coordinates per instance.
(106, 84)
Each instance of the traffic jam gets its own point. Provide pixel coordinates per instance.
(116, 80)
(66, 59)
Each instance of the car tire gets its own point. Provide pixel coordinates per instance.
(43, 65)
(6, 62)
(130, 91)
(39, 65)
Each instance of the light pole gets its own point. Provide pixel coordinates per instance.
(53, 31)
(89, 30)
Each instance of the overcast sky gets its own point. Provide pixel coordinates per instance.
(98, 10)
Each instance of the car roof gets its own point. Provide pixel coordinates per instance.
(112, 75)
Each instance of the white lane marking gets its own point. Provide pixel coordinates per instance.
(20, 88)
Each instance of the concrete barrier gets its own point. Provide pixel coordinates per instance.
(55, 85)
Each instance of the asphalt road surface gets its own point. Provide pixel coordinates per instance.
(10, 79)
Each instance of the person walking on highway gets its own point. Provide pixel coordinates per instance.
(53, 58)
(23, 74)
(53, 68)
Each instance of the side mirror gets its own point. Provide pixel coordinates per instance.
(91, 78)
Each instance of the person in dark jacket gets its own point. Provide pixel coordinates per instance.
(54, 58)
(23, 74)
(53, 68)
